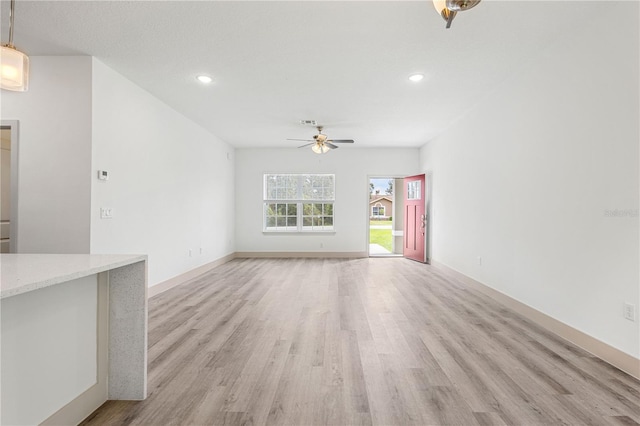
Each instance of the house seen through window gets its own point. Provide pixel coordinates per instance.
(298, 202)
(377, 210)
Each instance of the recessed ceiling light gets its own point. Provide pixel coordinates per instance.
(204, 79)
(416, 77)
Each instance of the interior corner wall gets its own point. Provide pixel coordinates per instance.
(352, 167)
(54, 163)
(540, 181)
(170, 185)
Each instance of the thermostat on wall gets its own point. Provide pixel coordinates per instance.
(103, 175)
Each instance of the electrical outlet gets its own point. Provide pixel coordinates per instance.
(200, 250)
(629, 312)
(190, 253)
(106, 213)
(480, 260)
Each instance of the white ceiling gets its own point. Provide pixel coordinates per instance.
(343, 63)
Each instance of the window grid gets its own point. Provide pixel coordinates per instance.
(298, 202)
(317, 216)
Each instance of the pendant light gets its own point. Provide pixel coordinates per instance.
(449, 8)
(14, 64)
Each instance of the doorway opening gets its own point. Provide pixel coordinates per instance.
(386, 218)
(8, 186)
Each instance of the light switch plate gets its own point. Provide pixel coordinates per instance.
(629, 312)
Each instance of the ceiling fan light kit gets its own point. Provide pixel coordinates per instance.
(14, 64)
(448, 9)
(320, 148)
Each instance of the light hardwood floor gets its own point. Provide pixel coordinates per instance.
(380, 341)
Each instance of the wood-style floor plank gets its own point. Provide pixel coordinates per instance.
(360, 342)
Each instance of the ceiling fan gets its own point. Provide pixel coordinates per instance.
(321, 143)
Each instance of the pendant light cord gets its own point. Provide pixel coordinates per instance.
(11, 15)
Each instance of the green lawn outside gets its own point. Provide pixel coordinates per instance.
(379, 222)
(381, 237)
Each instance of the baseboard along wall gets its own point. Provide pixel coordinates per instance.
(608, 353)
(189, 275)
(303, 254)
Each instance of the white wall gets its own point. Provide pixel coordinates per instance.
(351, 165)
(526, 179)
(170, 186)
(49, 353)
(55, 154)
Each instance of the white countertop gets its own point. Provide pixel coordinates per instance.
(21, 273)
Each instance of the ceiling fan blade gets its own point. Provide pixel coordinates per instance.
(306, 144)
(342, 141)
(303, 140)
(330, 145)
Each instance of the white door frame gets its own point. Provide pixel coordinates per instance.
(13, 125)
(378, 176)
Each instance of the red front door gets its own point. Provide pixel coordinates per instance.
(415, 221)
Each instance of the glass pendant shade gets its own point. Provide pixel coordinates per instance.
(14, 69)
(320, 148)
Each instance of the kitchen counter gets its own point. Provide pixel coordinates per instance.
(21, 273)
(74, 334)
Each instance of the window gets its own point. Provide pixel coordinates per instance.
(377, 210)
(413, 190)
(298, 202)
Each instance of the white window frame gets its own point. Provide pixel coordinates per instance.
(378, 206)
(292, 195)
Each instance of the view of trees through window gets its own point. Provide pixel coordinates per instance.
(299, 202)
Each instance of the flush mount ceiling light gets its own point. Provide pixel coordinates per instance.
(416, 77)
(205, 79)
(14, 65)
(449, 8)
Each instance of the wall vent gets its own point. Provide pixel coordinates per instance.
(309, 122)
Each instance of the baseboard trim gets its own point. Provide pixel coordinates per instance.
(613, 356)
(80, 408)
(303, 254)
(189, 275)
